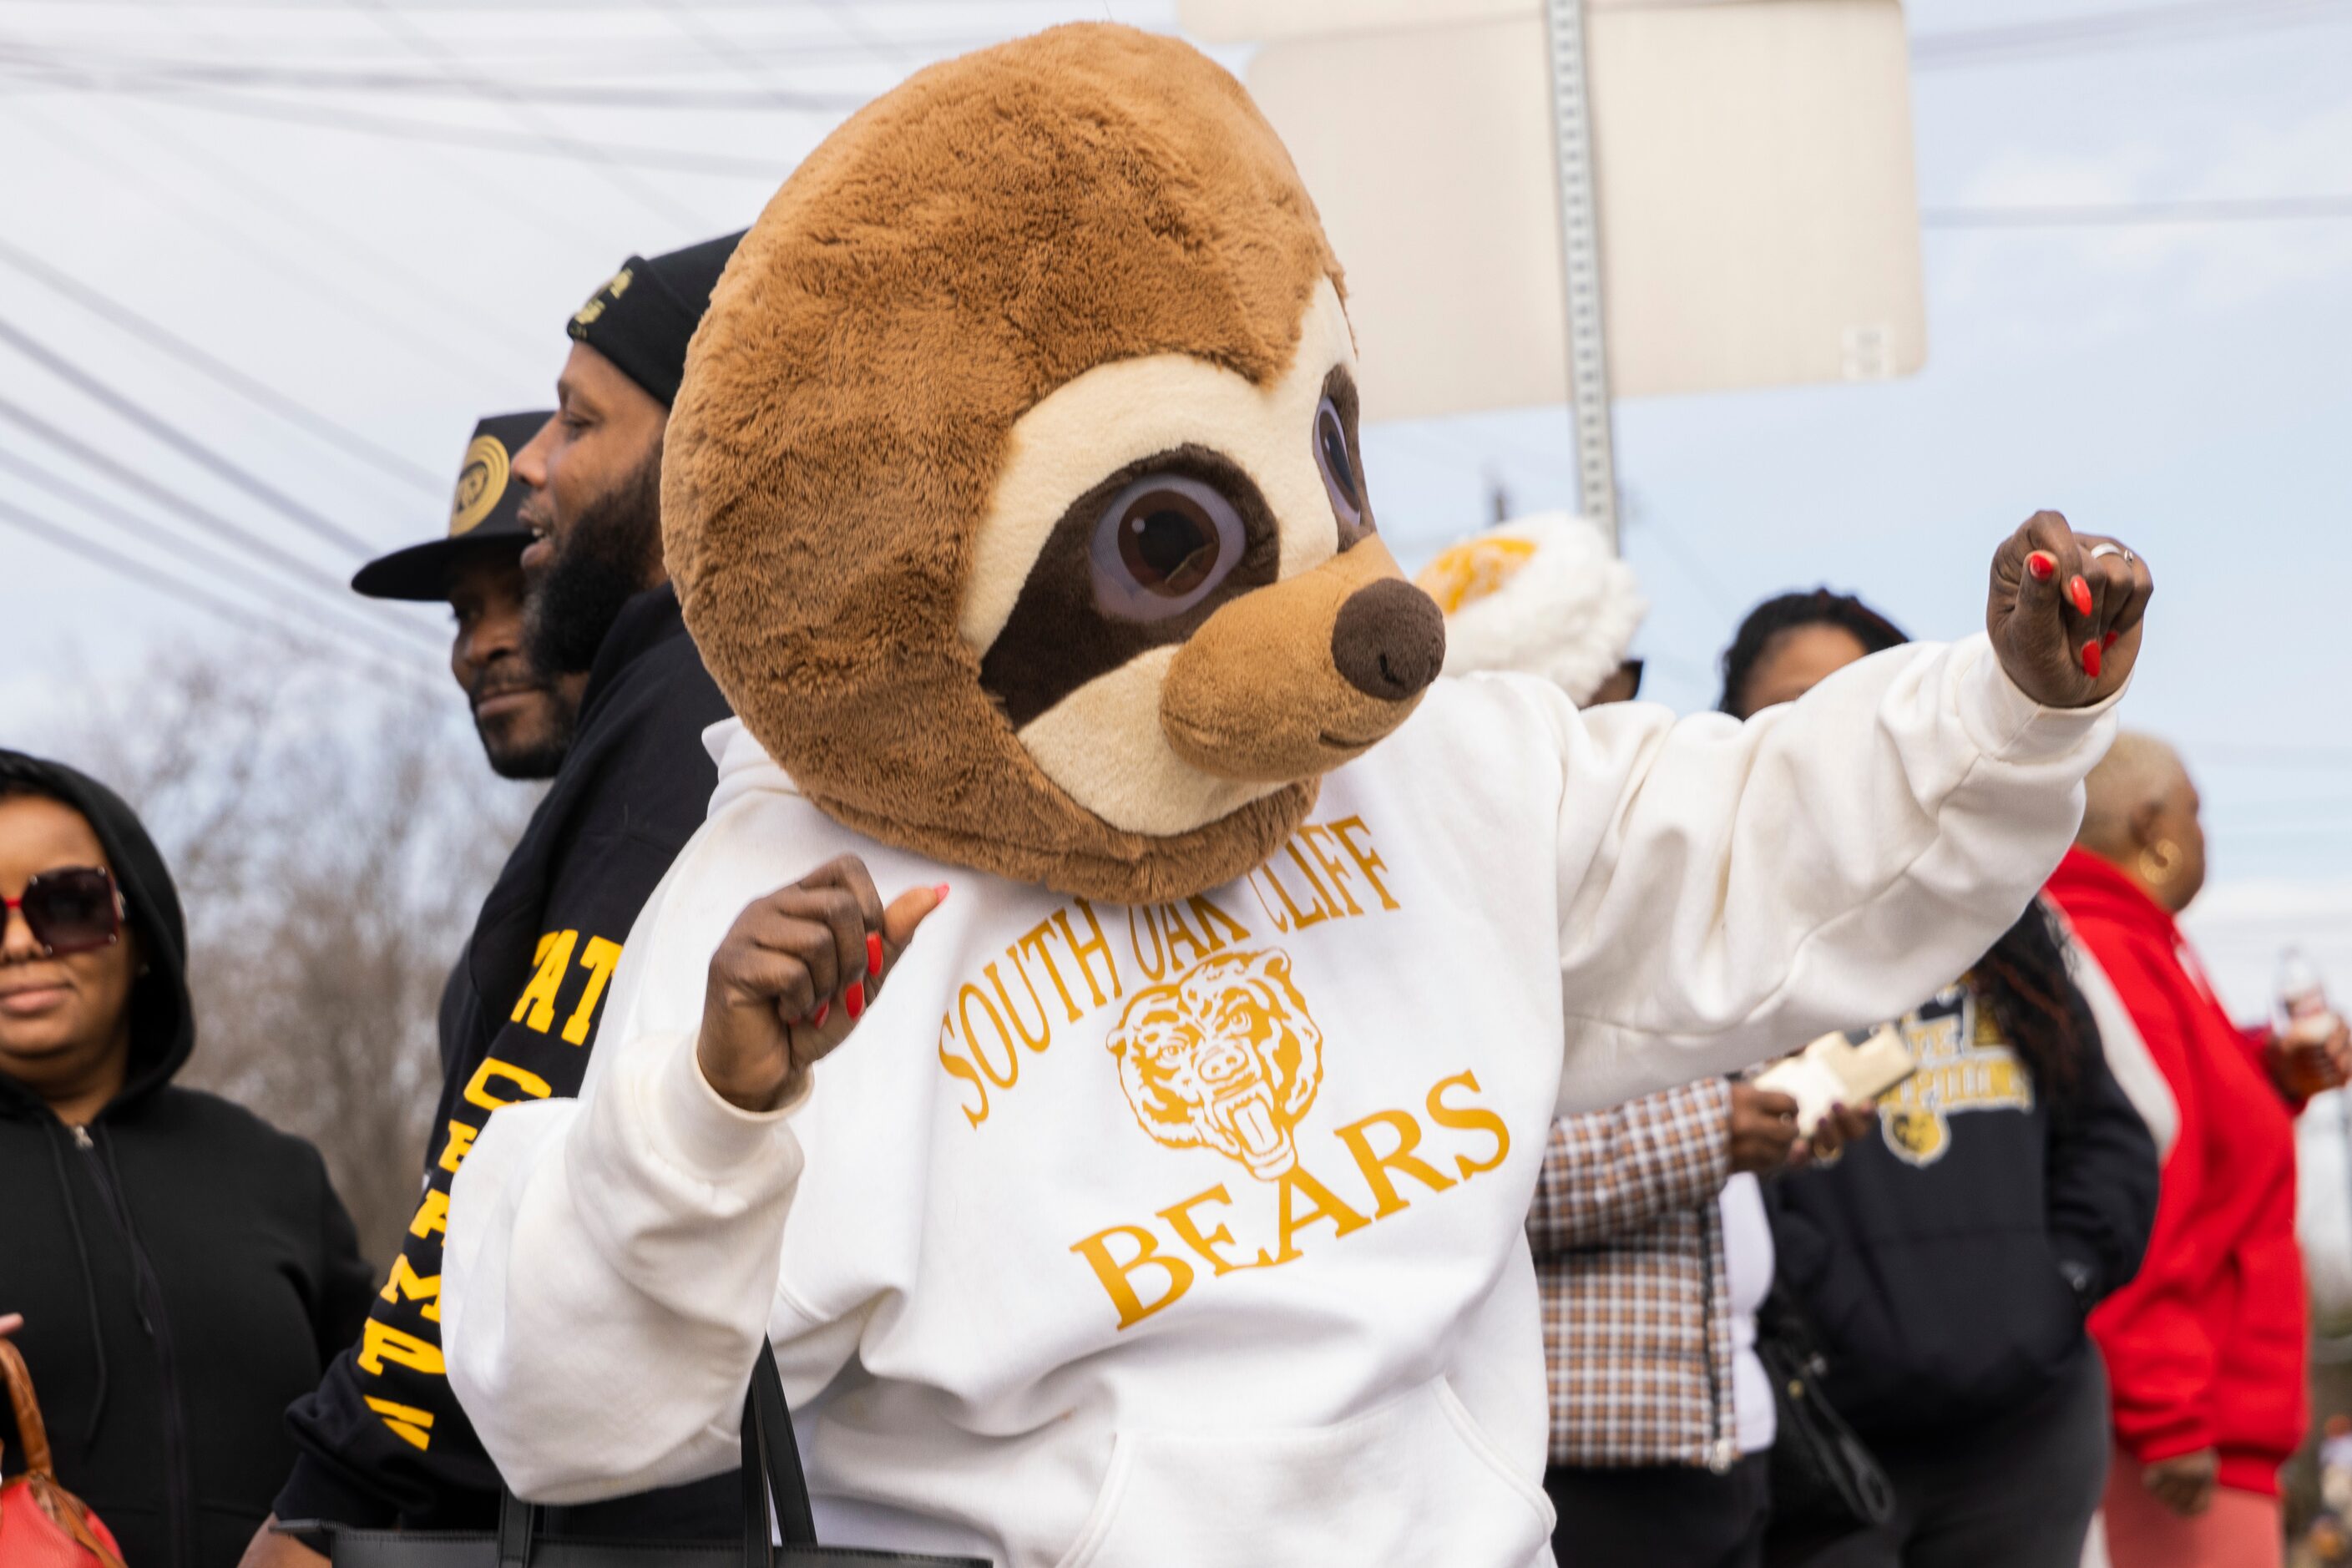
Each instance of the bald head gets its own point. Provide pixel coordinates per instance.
(2136, 778)
(2140, 815)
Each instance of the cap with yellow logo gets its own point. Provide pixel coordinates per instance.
(484, 512)
(645, 315)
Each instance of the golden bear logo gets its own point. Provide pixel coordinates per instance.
(1223, 1056)
(480, 483)
(1917, 1136)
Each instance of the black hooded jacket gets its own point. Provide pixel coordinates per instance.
(1948, 1259)
(184, 1268)
(383, 1440)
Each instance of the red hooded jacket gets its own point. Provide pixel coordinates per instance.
(2206, 1346)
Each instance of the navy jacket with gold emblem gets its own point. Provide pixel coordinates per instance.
(382, 1439)
(1947, 1258)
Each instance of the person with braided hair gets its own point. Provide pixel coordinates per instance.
(1948, 1258)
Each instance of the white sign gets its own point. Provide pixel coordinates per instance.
(1758, 215)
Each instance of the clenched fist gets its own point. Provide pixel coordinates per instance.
(795, 973)
(2065, 612)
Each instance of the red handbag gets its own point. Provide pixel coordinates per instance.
(42, 1525)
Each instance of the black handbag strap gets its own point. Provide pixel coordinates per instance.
(772, 1453)
(772, 1472)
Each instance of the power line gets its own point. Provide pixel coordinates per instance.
(158, 78)
(529, 58)
(140, 572)
(2114, 29)
(210, 521)
(419, 42)
(203, 556)
(2250, 209)
(163, 338)
(179, 440)
(480, 138)
(574, 7)
(401, 333)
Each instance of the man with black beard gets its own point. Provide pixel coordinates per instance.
(383, 1440)
(524, 716)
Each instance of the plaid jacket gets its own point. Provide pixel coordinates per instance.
(1628, 1245)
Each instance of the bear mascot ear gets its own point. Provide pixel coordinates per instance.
(1012, 492)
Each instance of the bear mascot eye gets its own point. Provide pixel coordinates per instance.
(1163, 545)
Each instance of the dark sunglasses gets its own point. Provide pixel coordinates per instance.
(72, 911)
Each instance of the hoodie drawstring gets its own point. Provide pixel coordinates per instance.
(88, 1278)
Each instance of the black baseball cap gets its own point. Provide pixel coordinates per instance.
(645, 315)
(484, 513)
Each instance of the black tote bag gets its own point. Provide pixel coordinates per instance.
(772, 1469)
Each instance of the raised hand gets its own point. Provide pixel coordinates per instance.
(2064, 610)
(795, 973)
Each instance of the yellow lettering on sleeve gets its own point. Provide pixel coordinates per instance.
(553, 958)
(453, 1153)
(598, 959)
(407, 1285)
(431, 1216)
(407, 1423)
(380, 1342)
(477, 1088)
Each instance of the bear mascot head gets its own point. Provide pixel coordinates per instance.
(1014, 493)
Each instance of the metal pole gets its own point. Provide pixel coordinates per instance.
(1579, 251)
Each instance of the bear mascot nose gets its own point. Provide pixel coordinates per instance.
(1388, 640)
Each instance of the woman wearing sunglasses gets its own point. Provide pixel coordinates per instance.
(183, 1272)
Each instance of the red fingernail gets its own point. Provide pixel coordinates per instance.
(2091, 659)
(939, 895)
(873, 953)
(817, 1019)
(2041, 563)
(854, 999)
(2080, 592)
(2109, 640)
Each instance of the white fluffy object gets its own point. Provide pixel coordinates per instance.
(1543, 595)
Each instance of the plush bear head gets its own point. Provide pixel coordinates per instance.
(1013, 492)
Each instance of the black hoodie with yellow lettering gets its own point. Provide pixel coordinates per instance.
(382, 1438)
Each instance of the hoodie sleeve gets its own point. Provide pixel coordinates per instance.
(1729, 890)
(2160, 1360)
(648, 1212)
(1610, 1173)
(2102, 1181)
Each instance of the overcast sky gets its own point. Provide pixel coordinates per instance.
(384, 211)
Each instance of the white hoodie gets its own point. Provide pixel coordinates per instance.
(1192, 1234)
